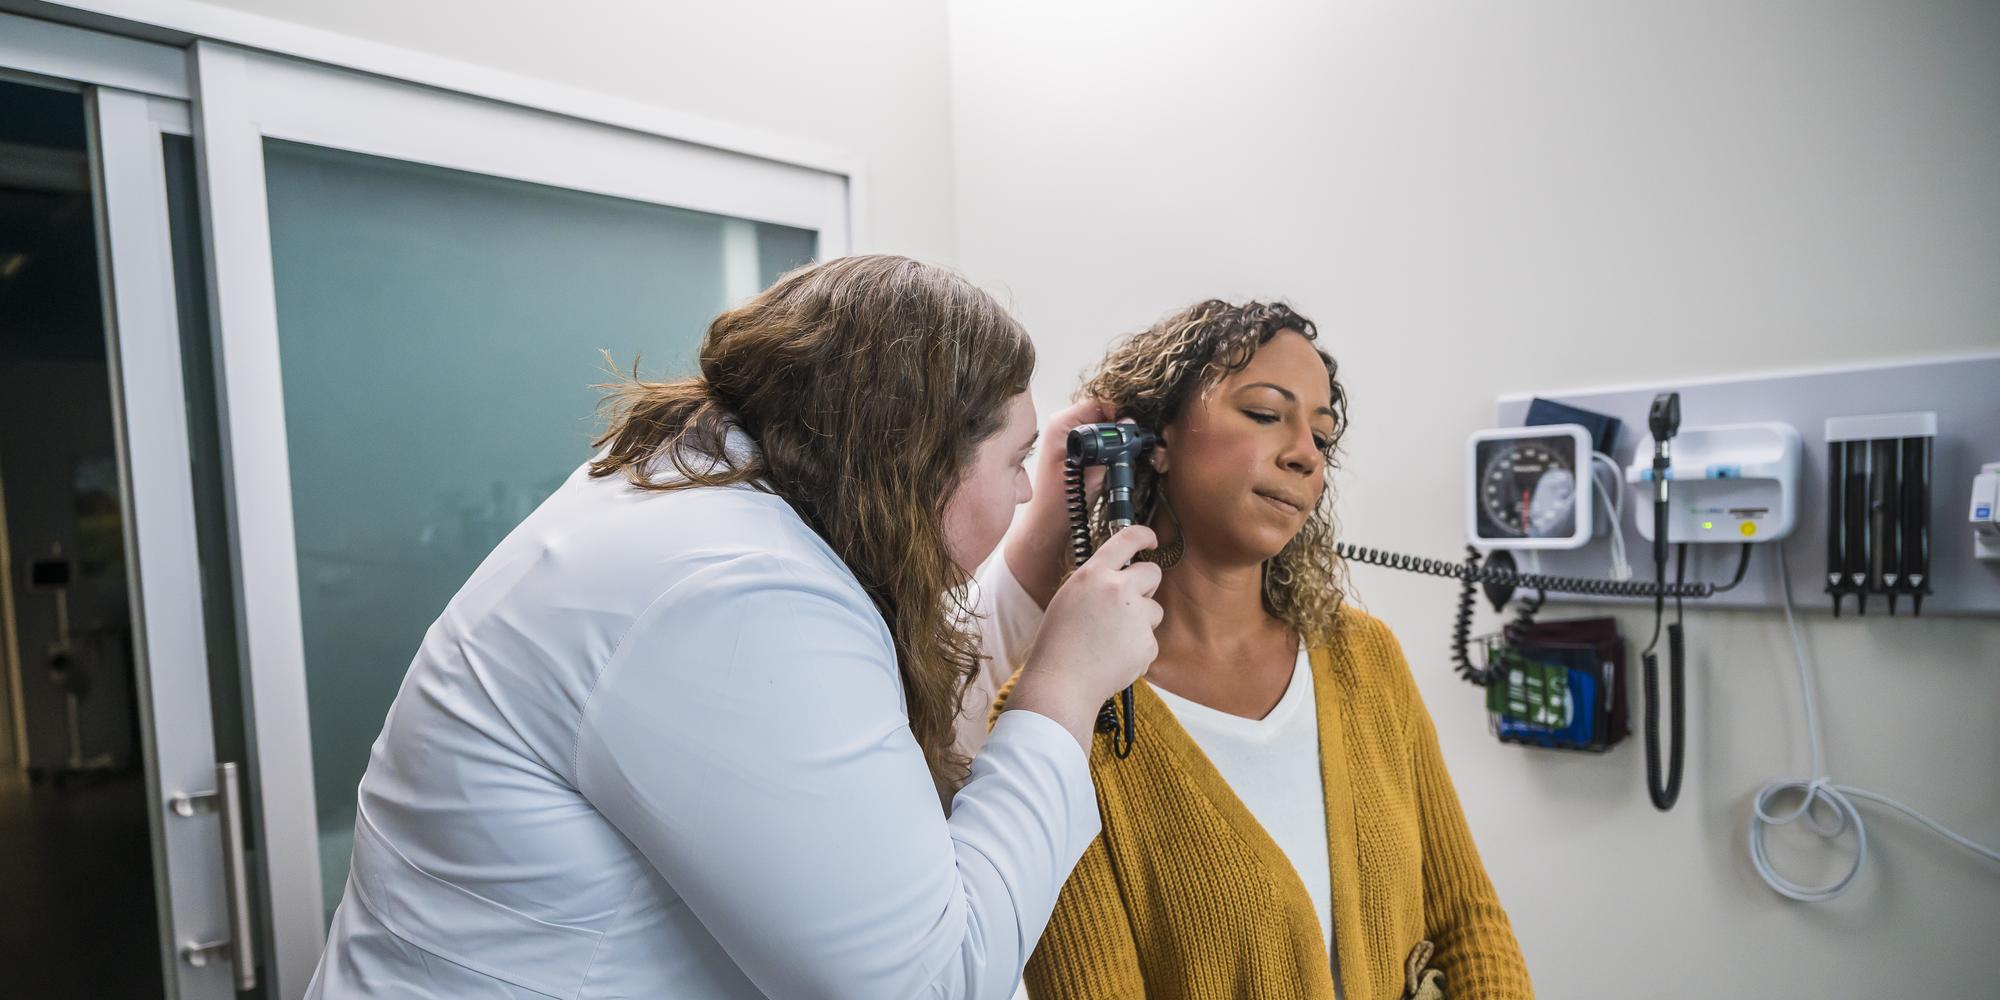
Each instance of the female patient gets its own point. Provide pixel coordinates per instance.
(1284, 826)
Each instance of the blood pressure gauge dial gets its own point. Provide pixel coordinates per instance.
(1530, 487)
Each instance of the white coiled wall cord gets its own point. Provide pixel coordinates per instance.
(1827, 807)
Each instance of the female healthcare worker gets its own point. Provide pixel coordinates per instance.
(684, 732)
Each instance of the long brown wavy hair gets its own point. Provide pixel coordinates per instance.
(1152, 376)
(867, 383)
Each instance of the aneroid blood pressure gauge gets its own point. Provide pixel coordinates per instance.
(1531, 487)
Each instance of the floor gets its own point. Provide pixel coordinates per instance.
(76, 891)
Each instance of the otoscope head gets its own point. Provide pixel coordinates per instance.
(1109, 444)
(1116, 447)
(1664, 420)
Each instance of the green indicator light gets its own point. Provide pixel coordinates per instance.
(1707, 525)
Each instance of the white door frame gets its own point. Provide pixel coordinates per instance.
(192, 870)
(134, 94)
(86, 57)
(246, 98)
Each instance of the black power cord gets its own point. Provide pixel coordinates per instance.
(1742, 566)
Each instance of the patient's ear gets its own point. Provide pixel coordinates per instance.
(1159, 454)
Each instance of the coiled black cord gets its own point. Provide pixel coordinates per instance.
(1121, 726)
(1677, 687)
(1513, 633)
(1115, 718)
(1472, 572)
(1665, 793)
(1079, 511)
(1461, 626)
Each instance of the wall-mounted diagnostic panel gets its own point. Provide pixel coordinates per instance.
(1866, 471)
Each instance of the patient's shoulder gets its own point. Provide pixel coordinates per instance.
(1363, 651)
(1360, 635)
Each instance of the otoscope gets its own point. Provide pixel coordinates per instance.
(1116, 447)
(1664, 420)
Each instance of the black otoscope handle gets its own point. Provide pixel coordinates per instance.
(1116, 447)
(1118, 516)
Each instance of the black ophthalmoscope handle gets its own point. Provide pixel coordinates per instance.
(1664, 420)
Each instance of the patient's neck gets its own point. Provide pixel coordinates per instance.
(1218, 646)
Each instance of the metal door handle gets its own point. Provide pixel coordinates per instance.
(227, 799)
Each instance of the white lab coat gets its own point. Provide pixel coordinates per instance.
(657, 747)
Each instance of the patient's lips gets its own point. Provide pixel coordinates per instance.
(1286, 502)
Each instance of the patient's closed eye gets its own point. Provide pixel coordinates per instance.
(1320, 441)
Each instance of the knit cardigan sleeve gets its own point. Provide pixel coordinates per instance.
(1476, 949)
(1087, 951)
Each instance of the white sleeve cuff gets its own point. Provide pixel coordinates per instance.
(1036, 750)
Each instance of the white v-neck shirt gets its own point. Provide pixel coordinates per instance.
(1272, 763)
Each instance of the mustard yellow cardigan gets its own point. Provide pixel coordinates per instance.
(1184, 895)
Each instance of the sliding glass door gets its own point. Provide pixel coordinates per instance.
(416, 293)
(439, 336)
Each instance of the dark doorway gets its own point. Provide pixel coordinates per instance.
(76, 865)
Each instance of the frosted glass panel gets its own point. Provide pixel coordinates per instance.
(439, 334)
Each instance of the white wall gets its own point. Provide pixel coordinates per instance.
(865, 76)
(1477, 198)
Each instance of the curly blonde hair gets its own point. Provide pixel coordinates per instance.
(1152, 376)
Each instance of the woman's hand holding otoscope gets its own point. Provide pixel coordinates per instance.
(1098, 636)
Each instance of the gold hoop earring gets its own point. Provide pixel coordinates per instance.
(1277, 583)
(1167, 556)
